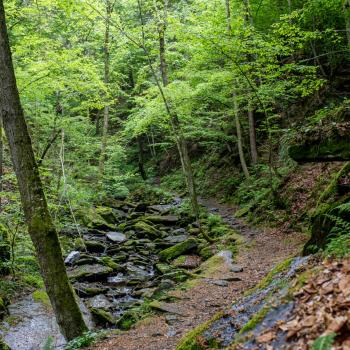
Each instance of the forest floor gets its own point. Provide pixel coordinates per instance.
(259, 252)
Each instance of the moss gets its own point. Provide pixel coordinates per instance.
(180, 260)
(109, 262)
(102, 317)
(3, 346)
(205, 253)
(255, 320)
(178, 249)
(146, 228)
(265, 282)
(127, 320)
(33, 280)
(91, 219)
(40, 296)
(190, 340)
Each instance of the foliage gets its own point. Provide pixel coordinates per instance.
(85, 340)
(324, 342)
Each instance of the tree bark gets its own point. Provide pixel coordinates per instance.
(109, 9)
(346, 7)
(141, 162)
(239, 138)
(40, 225)
(181, 142)
(236, 112)
(252, 136)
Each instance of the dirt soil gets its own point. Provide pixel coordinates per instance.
(261, 250)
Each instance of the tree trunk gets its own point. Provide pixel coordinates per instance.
(1, 161)
(109, 9)
(181, 142)
(239, 138)
(40, 225)
(346, 7)
(141, 158)
(252, 136)
(238, 125)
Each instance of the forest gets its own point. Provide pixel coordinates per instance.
(174, 174)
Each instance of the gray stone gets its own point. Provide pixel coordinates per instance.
(72, 257)
(89, 272)
(236, 268)
(116, 237)
(176, 239)
(100, 302)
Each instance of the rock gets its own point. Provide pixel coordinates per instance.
(107, 214)
(176, 239)
(187, 261)
(161, 208)
(92, 220)
(179, 231)
(117, 237)
(117, 280)
(3, 308)
(178, 249)
(141, 207)
(165, 284)
(236, 268)
(144, 292)
(164, 268)
(167, 307)
(162, 219)
(108, 261)
(170, 319)
(100, 302)
(102, 317)
(95, 246)
(146, 229)
(86, 290)
(72, 257)
(90, 272)
(119, 292)
(220, 283)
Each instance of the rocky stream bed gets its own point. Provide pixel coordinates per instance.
(121, 257)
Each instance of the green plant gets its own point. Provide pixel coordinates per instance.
(324, 342)
(86, 339)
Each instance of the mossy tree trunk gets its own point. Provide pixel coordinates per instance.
(40, 225)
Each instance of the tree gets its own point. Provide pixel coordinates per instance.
(40, 224)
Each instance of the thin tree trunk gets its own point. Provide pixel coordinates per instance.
(109, 9)
(252, 130)
(236, 112)
(252, 136)
(346, 7)
(181, 142)
(1, 161)
(40, 225)
(239, 138)
(141, 162)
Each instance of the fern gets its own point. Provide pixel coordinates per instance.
(324, 342)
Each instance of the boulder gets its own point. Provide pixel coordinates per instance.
(116, 237)
(92, 220)
(142, 227)
(90, 272)
(72, 257)
(179, 249)
(167, 307)
(102, 317)
(100, 302)
(87, 290)
(162, 219)
(95, 246)
(175, 239)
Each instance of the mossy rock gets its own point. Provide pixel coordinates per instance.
(102, 317)
(205, 253)
(90, 272)
(92, 220)
(40, 296)
(108, 261)
(162, 219)
(178, 249)
(336, 148)
(146, 229)
(127, 320)
(107, 214)
(191, 340)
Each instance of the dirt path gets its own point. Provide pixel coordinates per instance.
(260, 252)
